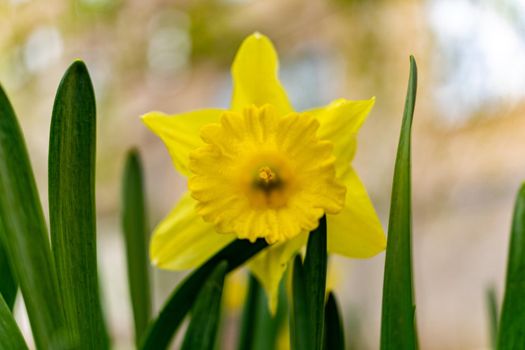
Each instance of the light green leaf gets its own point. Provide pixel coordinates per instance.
(134, 225)
(334, 337)
(512, 323)
(161, 331)
(10, 336)
(398, 328)
(24, 229)
(72, 206)
(206, 312)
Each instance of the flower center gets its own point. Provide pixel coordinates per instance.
(267, 179)
(270, 182)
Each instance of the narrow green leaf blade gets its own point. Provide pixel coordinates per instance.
(72, 205)
(259, 328)
(205, 315)
(300, 326)
(134, 225)
(8, 284)
(315, 276)
(334, 331)
(512, 323)
(10, 336)
(398, 329)
(161, 331)
(249, 315)
(492, 312)
(24, 229)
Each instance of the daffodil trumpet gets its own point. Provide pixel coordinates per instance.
(262, 170)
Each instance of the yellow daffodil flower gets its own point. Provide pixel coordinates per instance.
(261, 170)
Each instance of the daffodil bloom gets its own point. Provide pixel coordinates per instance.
(262, 170)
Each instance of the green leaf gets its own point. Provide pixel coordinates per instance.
(72, 206)
(512, 323)
(206, 312)
(8, 284)
(334, 331)
(398, 329)
(24, 229)
(160, 332)
(300, 318)
(249, 315)
(315, 276)
(492, 310)
(259, 328)
(308, 287)
(10, 336)
(134, 225)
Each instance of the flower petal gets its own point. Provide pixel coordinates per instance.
(183, 240)
(356, 231)
(270, 265)
(254, 73)
(340, 121)
(181, 133)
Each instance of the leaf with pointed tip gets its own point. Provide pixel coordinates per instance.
(25, 235)
(492, 311)
(511, 327)
(161, 331)
(134, 226)
(10, 336)
(398, 328)
(205, 315)
(334, 338)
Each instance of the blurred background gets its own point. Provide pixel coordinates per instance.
(174, 56)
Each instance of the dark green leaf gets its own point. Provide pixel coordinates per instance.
(205, 315)
(134, 225)
(398, 329)
(512, 323)
(10, 336)
(334, 331)
(8, 285)
(308, 285)
(259, 328)
(249, 315)
(24, 229)
(315, 276)
(72, 206)
(160, 332)
(492, 311)
(300, 319)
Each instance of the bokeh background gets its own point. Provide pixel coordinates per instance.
(174, 56)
